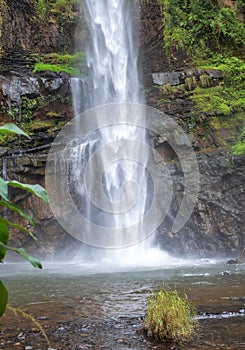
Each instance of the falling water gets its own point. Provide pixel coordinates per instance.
(112, 59)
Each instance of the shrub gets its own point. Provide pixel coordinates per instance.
(169, 317)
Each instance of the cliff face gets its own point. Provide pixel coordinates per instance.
(26, 28)
(41, 103)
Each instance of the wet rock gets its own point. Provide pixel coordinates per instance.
(214, 73)
(177, 78)
(41, 318)
(232, 261)
(172, 78)
(21, 336)
(123, 341)
(16, 86)
(225, 273)
(53, 84)
(215, 227)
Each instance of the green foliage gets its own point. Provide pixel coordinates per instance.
(227, 29)
(37, 190)
(5, 202)
(28, 104)
(63, 5)
(12, 129)
(239, 147)
(201, 27)
(63, 11)
(41, 8)
(42, 67)
(233, 68)
(54, 62)
(3, 298)
(170, 316)
(228, 97)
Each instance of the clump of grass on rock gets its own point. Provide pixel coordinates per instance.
(170, 317)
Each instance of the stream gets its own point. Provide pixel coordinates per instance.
(83, 306)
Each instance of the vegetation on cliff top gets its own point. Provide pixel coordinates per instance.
(213, 36)
(202, 28)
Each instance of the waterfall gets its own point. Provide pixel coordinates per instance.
(105, 159)
(112, 54)
(112, 60)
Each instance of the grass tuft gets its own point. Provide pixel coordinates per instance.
(170, 317)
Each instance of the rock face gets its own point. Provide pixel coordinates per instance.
(25, 28)
(216, 225)
(26, 97)
(43, 102)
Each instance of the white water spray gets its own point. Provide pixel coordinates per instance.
(112, 59)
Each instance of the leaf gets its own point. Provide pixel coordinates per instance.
(37, 190)
(3, 298)
(4, 189)
(4, 236)
(21, 251)
(13, 129)
(21, 228)
(19, 211)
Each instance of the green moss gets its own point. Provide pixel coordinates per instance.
(55, 62)
(239, 147)
(63, 5)
(167, 89)
(205, 81)
(210, 100)
(63, 12)
(229, 96)
(63, 58)
(201, 27)
(41, 8)
(42, 67)
(191, 83)
(28, 105)
(5, 140)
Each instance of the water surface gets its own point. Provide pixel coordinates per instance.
(70, 299)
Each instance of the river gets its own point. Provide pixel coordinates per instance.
(82, 306)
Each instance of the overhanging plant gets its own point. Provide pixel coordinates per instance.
(5, 224)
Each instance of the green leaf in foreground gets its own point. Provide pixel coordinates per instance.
(4, 189)
(3, 298)
(37, 190)
(4, 236)
(21, 251)
(19, 211)
(12, 129)
(19, 227)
